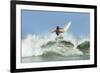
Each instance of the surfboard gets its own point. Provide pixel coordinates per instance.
(67, 27)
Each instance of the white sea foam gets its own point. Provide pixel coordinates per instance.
(31, 45)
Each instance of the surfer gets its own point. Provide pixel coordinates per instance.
(59, 30)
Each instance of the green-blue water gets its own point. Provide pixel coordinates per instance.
(59, 50)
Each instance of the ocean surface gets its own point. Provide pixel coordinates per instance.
(53, 58)
(53, 48)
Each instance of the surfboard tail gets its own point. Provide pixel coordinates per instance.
(67, 26)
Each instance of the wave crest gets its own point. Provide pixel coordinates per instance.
(34, 45)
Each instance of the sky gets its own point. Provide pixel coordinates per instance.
(43, 22)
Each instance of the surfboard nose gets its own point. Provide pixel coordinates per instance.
(66, 28)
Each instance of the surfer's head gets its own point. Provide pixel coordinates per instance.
(57, 27)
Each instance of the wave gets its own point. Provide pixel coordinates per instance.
(34, 45)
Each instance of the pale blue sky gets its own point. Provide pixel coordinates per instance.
(42, 22)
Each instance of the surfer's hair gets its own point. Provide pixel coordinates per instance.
(57, 27)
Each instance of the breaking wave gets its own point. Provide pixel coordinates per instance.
(35, 45)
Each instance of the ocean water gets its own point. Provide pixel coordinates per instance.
(53, 58)
(54, 48)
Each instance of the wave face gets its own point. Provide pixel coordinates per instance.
(34, 45)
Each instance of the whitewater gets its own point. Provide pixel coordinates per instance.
(51, 47)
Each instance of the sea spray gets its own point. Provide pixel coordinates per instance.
(34, 45)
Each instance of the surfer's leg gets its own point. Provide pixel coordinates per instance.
(57, 33)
